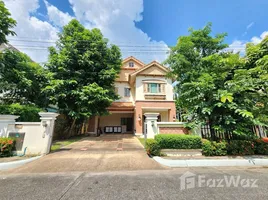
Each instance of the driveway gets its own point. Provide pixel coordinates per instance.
(95, 154)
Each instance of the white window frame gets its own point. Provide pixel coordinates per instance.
(158, 88)
(126, 92)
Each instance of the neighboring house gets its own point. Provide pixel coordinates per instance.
(7, 46)
(143, 89)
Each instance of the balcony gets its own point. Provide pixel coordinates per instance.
(157, 96)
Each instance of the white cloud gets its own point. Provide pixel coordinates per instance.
(250, 25)
(29, 27)
(257, 40)
(57, 17)
(116, 20)
(239, 45)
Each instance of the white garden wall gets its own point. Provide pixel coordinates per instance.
(38, 135)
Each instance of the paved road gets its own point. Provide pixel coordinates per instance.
(163, 184)
(105, 153)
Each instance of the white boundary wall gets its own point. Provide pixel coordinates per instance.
(38, 135)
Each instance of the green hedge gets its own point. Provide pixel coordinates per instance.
(152, 147)
(261, 147)
(27, 113)
(240, 147)
(6, 146)
(175, 141)
(235, 147)
(212, 148)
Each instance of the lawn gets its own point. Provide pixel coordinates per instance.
(56, 145)
(142, 141)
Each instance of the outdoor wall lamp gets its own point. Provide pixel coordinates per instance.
(174, 118)
(44, 123)
(139, 118)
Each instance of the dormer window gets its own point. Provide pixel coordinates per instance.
(131, 64)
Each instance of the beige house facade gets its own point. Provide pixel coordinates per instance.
(143, 88)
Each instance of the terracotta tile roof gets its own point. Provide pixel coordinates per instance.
(121, 106)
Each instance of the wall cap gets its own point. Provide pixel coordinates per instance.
(8, 117)
(170, 124)
(48, 115)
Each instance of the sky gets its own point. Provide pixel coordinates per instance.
(141, 28)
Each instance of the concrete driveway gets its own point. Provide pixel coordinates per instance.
(95, 154)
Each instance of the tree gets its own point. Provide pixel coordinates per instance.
(22, 80)
(212, 84)
(84, 68)
(6, 23)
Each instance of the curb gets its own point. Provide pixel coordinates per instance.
(14, 164)
(212, 162)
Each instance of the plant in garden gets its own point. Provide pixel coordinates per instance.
(84, 67)
(261, 147)
(6, 146)
(27, 113)
(6, 23)
(152, 147)
(175, 141)
(221, 88)
(213, 148)
(240, 147)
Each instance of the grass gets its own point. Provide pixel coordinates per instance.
(56, 145)
(142, 141)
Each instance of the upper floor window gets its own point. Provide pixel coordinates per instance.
(131, 64)
(154, 88)
(127, 92)
(116, 90)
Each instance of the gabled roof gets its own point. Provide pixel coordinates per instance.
(133, 58)
(152, 64)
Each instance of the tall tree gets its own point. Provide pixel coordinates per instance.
(6, 23)
(212, 84)
(84, 68)
(22, 80)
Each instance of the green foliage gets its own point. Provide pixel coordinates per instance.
(27, 113)
(152, 147)
(6, 23)
(240, 147)
(6, 146)
(224, 89)
(175, 141)
(213, 148)
(22, 80)
(84, 67)
(261, 147)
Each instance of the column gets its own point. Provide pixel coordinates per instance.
(5, 121)
(151, 122)
(48, 124)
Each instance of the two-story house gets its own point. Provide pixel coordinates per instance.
(143, 88)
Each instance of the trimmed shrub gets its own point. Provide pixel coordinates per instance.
(27, 113)
(175, 141)
(240, 147)
(6, 146)
(212, 148)
(261, 147)
(152, 147)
